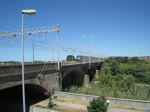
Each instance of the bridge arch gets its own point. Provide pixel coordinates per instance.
(11, 98)
(73, 78)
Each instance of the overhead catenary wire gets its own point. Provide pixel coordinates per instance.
(44, 44)
(6, 37)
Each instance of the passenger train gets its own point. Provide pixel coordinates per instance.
(86, 58)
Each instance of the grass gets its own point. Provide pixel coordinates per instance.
(64, 109)
(72, 101)
(142, 84)
(125, 107)
(79, 102)
(54, 108)
(60, 108)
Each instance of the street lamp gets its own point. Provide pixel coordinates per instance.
(29, 12)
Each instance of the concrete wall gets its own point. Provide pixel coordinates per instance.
(145, 105)
(40, 109)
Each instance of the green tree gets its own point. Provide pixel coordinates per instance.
(114, 67)
(105, 68)
(108, 60)
(134, 60)
(124, 66)
(122, 59)
(138, 70)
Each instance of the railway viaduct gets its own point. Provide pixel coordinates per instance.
(48, 76)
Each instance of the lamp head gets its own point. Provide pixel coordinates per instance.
(29, 11)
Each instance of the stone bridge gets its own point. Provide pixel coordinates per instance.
(47, 75)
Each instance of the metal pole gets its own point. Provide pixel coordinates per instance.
(58, 50)
(89, 57)
(33, 50)
(23, 84)
(72, 55)
(58, 58)
(52, 55)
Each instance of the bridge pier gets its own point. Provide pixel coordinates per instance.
(86, 82)
(97, 73)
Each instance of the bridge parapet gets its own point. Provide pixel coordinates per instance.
(64, 63)
(17, 69)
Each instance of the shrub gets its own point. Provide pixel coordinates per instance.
(98, 105)
(50, 103)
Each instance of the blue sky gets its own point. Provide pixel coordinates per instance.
(111, 27)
